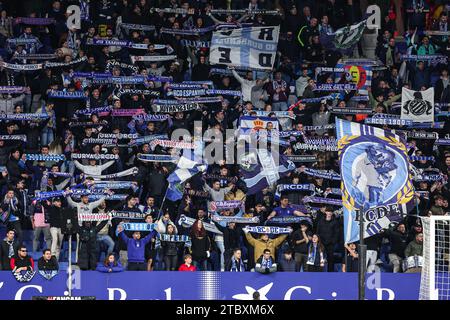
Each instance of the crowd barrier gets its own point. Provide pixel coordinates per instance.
(135, 285)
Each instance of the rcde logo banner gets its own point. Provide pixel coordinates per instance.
(163, 285)
(253, 47)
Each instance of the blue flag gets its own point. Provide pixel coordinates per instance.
(375, 177)
(189, 165)
(260, 169)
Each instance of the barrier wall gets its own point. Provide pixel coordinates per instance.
(213, 285)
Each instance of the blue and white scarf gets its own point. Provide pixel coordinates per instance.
(22, 41)
(151, 117)
(55, 94)
(147, 139)
(188, 222)
(21, 67)
(268, 230)
(112, 197)
(35, 56)
(99, 141)
(23, 116)
(266, 263)
(302, 158)
(35, 21)
(314, 147)
(321, 141)
(336, 87)
(225, 205)
(278, 114)
(138, 226)
(140, 27)
(113, 63)
(427, 125)
(388, 121)
(351, 110)
(325, 174)
(87, 112)
(102, 156)
(89, 75)
(135, 59)
(114, 185)
(442, 142)
(153, 93)
(128, 172)
(196, 43)
(180, 107)
(421, 158)
(45, 157)
(119, 136)
(157, 158)
(324, 127)
(127, 215)
(335, 202)
(293, 187)
(289, 220)
(231, 219)
(185, 32)
(15, 137)
(12, 89)
(117, 43)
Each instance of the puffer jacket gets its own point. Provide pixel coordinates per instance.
(260, 245)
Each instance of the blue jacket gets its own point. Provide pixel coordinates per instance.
(136, 248)
(102, 268)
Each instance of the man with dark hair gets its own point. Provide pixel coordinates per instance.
(8, 249)
(399, 241)
(328, 231)
(136, 248)
(287, 263)
(47, 262)
(265, 263)
(235, 263)
(284, 210)
(22, 261)
(12, 212)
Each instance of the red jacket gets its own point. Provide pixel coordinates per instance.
(184, 267)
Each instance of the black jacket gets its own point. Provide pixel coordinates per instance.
(287, 265)
(328, 231)
(4, 249)
(399, 241)
(50, 265)
(170, 248)
(55, 216)
(199, 247)
(25, 262)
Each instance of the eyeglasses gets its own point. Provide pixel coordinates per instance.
(23, 250)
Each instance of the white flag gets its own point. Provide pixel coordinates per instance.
(253, 47)
(418, 106)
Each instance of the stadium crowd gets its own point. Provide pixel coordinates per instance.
(65, 125)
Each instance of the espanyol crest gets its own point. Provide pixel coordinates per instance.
(418, 106)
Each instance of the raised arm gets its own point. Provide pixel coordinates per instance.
(237, 76)
(78, 165)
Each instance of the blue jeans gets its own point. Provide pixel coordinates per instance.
(47, 136)
(221, 248)
(201, 264)
(104, 238)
